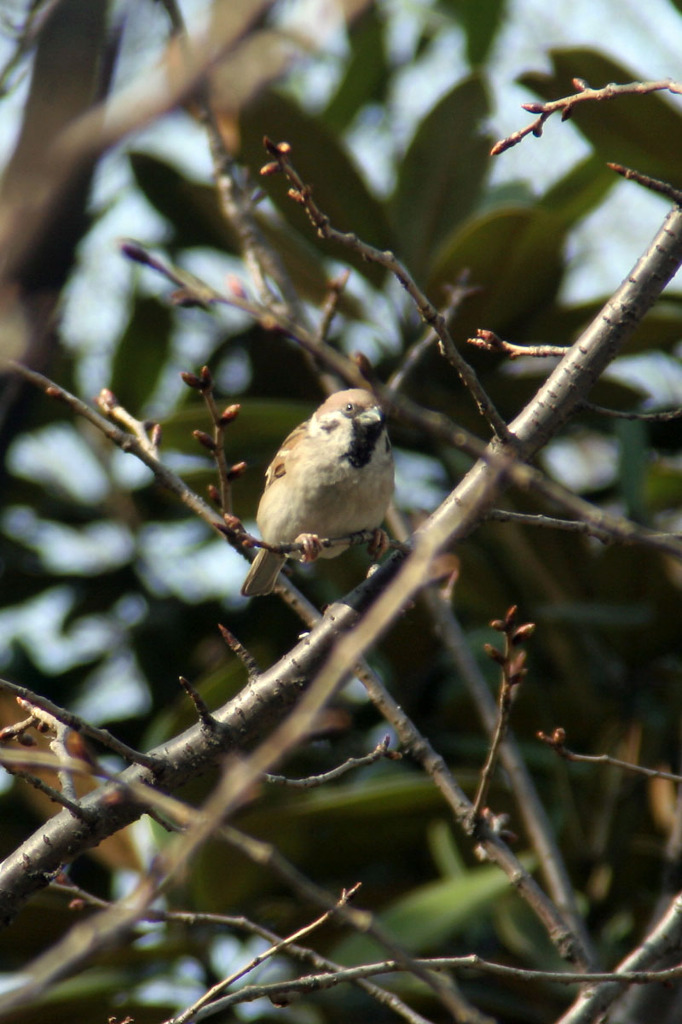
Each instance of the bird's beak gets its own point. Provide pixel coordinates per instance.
(371, 416)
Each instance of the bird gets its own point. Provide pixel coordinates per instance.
(332, 476)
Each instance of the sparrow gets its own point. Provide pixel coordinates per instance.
(333, 476)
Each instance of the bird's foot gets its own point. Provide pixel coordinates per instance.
(311, 546)
(378, 546)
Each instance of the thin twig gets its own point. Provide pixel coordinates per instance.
(303, 954)
(335, 290)
(457, 293)
(472, 963)
(103, 736)
(567, 105)
(589, 528)
(361, 921)
(302, 194)
(216, 445)
(58, 746)
(663, 188)
(557, 742)
(278, 947)
(491, 342)
(17, 731)
(25, 36)
(260, 259)
(147, 432)
(380, 752)
(665, 416)
(512, 665)
(55, 795)
(503, 515)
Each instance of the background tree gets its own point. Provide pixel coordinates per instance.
(178, 861)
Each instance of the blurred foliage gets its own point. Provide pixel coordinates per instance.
(108, 628)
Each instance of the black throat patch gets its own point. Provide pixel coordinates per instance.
(363, 442)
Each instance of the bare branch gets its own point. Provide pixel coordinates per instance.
(302, 194)
(512, 664)
(490, 342)
(458, 293)
(567, 104)
(557, 742)
(102, 736)
(385, 998)
(662, 188)
(312, 781)
(212, 994)
(665, 416)
(503, 515)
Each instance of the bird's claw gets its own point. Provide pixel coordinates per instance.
(378, 546)
(311, 546)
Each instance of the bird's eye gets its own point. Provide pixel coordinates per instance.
(349, 406)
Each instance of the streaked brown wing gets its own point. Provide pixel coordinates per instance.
(277, 468)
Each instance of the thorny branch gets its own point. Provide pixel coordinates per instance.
(146, 445)
(439, 427)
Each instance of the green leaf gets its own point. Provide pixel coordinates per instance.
(341, 828)
(442, 174)
(642, 132)
(580, 191)
(664, 487)
(514, 257)
(430, 914)
(141, 354)
(366, 74)
(481, 22)
(192, 209)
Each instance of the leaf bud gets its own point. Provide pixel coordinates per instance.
(205, 439)
(191, 380)
(229, 414)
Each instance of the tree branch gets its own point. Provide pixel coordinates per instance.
(567, 104)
